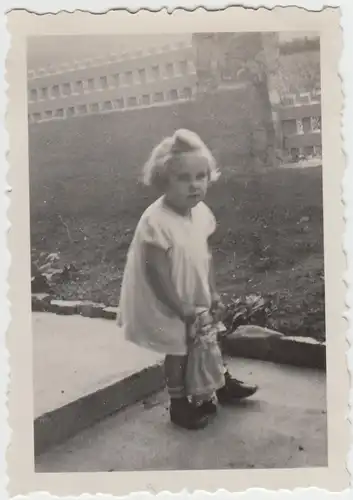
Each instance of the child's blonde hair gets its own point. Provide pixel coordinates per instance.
(157, 169)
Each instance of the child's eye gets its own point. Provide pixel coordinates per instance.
(201, 176)
(183, 177)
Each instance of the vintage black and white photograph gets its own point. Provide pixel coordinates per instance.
(180, 179)
(178, 275)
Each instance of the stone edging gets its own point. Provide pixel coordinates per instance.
(255, 342)
(44, 303)
(247, 341)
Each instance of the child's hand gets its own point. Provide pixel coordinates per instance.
(206, 318)
(190, 334)
(217, 307)
(215, 300)
(189, 315)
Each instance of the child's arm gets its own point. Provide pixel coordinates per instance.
(159, 278)
(217, 304)
(212, 278)
(212, 281)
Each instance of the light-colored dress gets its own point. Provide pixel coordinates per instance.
(143, 317)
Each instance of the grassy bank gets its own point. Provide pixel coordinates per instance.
(269, 239)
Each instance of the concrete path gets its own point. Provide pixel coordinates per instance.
(75, 356)
(283, 426)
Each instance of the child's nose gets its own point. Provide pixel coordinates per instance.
(195, 184)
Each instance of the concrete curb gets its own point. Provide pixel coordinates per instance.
(255, 342)
(247, 341)
(56, 426)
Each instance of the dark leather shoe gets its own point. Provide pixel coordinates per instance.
(185, 415)
(234, 390)
(207, 408)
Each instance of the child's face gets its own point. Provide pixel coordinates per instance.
(188, 181)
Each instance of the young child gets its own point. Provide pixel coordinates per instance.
(168, 273)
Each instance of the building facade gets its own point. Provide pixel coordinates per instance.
(142, 78)
(166, 74)
(300, 116)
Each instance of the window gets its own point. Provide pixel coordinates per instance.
(107, 106)
(36, 117)
(155, 72)
(116, 80)
(315, 123)
(300, 128)
(49, 113)
(158, 97)
(44, 93)
(187, 93)
(79, 86)
(29, 118)
(294, 152)
(316, 95)
(306, 125)
(142, 75)
(94, 107)
(33, 95)
(59, 113)
(183, 67)
(173, 95)
(288, 101)
(192, 68)
(318, 151)
(119, 103)
(71, 111)
(170, 70)
(82, 109)
(146, 99)
(289, 127)
(132, 102)
(103, 82)
(66, 89)
(55, 91)
(308, 151)
(129, 78)
(90, 84)
(304, 98)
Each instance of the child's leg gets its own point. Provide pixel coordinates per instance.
(174, 369)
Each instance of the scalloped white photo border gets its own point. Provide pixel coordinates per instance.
(101, 6)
